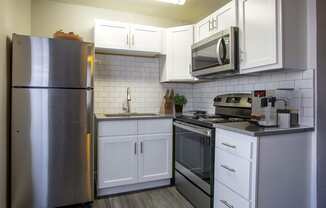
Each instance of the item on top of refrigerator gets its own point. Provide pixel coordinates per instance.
(68, 36)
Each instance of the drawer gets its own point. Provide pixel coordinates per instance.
(117, 128)
(234, 172)
(238, 144)
(155, 126)
(225, 198)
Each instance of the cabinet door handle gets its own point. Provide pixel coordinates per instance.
(229, 145)
(242, 56)
(228, 168)
(190, 69)
(214, 23)
(209, 25)
(141, 148)
(226, 204)
(127, 39)
(135, 148)
(133, 39)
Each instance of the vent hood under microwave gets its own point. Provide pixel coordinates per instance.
(217, 55)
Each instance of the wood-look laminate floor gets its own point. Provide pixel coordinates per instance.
(158, 198)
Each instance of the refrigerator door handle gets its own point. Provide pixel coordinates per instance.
(90, 67)
(89, 105)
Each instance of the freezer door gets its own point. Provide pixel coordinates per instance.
(51, 147)
(44, 62)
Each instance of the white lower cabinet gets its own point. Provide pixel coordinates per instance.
(133, 159)
(118, 161)
(234, 172)
(261, 172)
(225, 198)
(155, 157)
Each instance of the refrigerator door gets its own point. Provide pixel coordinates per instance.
(51, 147)
(56, 63)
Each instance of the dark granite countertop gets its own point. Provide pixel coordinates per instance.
(102, 117)
(258, 131)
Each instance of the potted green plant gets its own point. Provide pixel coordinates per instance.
(179, 102)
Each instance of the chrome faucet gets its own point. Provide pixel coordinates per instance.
(128, 107)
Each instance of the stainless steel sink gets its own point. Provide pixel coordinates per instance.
(130, 114)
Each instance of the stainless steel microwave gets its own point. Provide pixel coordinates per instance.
(217, 54)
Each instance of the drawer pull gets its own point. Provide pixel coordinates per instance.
(228, 169)
(229, 145)
(226, 204)
(135, 148)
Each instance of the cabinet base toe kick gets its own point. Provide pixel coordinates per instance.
(133, 188)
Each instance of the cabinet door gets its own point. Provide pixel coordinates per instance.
(225, 17)
(203, 29)
(259, 27)
(117, 161)
(155, 158)
(179, 41)
(112, 35)
(146, 38)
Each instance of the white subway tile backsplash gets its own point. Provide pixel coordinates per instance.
(308, 74)
(304, 84)
(302, 81)
(115, 73)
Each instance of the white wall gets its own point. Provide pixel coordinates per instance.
(49, 16)
(14, 17)
(321, 100)
(312, 63)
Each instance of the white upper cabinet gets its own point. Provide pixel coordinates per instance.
(111, 35)
(176, 66)
(203, 29)
(220, 20)
(259, 33)
(272, 35)
(146, 38)
(225, 17)
(130, 39)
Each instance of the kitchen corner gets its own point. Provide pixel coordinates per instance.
(165, 104)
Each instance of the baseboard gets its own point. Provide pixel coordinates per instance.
(133, 188)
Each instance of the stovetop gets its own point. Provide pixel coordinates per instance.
(208, 120)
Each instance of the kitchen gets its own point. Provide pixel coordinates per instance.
(148, 54)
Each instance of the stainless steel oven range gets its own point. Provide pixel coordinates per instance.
(194, 140)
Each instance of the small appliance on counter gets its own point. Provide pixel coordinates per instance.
(270, 108)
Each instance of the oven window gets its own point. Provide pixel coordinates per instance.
(213, 54)
(193, 152)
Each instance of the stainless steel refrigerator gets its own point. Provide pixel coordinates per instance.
(52, 122)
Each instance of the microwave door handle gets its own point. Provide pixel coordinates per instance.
(219, 58)
(224, 50)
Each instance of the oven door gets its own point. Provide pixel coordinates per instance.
(194, 154)
(215, 54)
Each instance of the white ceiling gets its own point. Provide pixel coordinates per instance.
(191, 12)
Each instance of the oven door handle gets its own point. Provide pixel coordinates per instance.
(193, 128)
